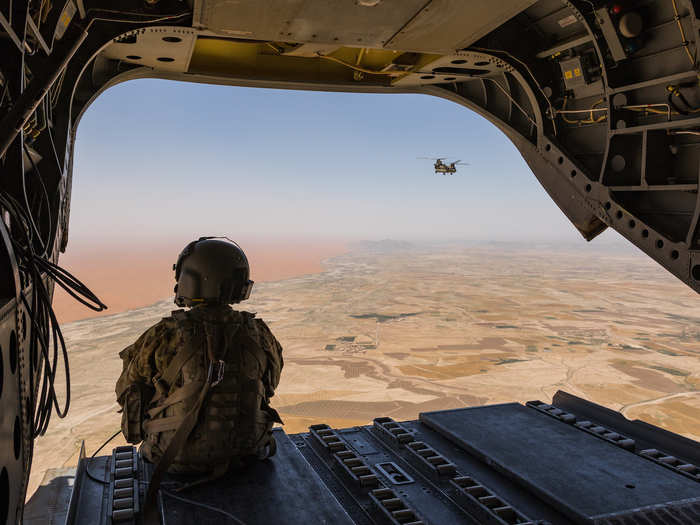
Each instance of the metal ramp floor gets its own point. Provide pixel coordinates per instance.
(569, 462)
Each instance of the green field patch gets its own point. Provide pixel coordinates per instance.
(508, 361)
(330, 347)
(672, 371)
(531, 348)
(346, 338)
(668, 352)
(383, 318)
(683, 318)
(505, 326)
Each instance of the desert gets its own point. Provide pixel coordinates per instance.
(394, 329)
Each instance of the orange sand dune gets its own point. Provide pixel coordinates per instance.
(126, 277)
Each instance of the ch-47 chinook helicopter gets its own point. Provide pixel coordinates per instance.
(445, 168)
(598, 96)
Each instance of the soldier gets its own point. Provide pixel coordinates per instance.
(195, 387)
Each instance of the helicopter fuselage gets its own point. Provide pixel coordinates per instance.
(441, 167)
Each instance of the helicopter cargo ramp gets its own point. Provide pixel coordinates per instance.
(569, 462)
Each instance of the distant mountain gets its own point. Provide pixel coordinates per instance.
(383, 246)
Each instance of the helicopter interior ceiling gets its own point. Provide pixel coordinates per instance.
(226, 36)
(440, 26)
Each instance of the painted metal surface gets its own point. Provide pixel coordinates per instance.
(353, 22)
(500, 456)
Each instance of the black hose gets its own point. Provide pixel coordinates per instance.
(37, 173)
(47, 342)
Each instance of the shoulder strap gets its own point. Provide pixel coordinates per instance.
(176, 444)
(178, 315)
(181, 434)
(164, 381)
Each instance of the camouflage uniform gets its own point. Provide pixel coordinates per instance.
(235, 419)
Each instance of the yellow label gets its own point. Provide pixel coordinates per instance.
(568, 75)
(577, 72)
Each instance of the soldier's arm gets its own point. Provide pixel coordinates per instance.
(139, 359)
(274, 352)
(134, 388)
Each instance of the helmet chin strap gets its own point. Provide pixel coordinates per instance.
(245, 291)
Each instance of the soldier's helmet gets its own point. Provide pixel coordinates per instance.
(212, 270)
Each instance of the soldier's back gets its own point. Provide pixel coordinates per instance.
(240, 359)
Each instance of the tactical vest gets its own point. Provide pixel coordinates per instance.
(211, 403)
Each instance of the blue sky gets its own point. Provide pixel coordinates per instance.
(162, 159)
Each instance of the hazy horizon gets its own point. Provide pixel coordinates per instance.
(129, 276)
(294, 177)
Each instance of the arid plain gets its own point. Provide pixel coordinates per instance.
(394, 329)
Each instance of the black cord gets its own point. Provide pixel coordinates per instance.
(144, 21)
(675, 92)
(202, 505)
(53, 146)
(103, 445)
(87, 465)
(47, 340)
(70, 284)
(675, 106)
(36, 171)
(30, 216)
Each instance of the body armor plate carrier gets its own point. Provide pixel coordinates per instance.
(210, 405)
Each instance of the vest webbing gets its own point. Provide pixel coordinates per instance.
(184, 424)
(176, 444)
(171, 423)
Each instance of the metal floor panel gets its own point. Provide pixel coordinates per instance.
(499, 483)
(582, 476)
(91, 502)
(496, 465)
(419, 492)
(284, 489)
